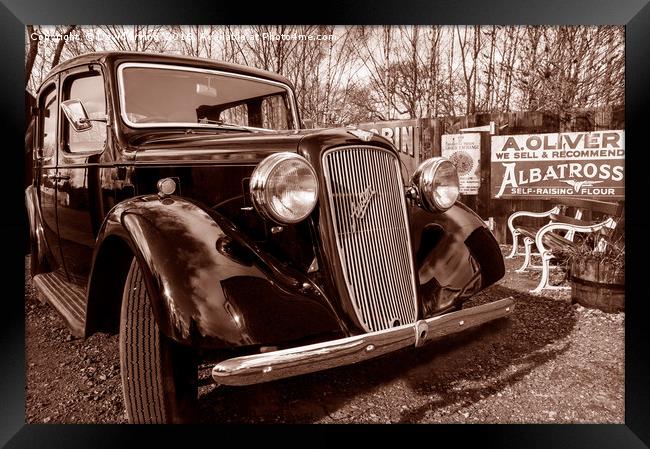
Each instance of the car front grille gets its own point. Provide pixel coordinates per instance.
(368, 210)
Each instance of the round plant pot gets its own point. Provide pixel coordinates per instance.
(598, 284)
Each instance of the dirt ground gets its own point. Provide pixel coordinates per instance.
(550, 362)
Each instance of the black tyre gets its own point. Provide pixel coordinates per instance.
(159, 377)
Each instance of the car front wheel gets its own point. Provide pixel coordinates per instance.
(159, 377)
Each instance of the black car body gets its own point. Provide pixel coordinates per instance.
(222, 277)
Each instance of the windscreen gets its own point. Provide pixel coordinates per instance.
(176, 96)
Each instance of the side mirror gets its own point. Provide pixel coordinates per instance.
(77, 116)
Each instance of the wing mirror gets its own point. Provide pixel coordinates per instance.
(76, 113)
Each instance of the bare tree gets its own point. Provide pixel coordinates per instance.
(571, 67)
(43, 55)
(409, 73)
(135, 37)
(433, 75)
(470, 47)
(374, 48)
(488, 71)
(384, 72)
(449, 97)
(61, 44)
(32, 51)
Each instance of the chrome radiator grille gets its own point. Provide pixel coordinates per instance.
(368, 207)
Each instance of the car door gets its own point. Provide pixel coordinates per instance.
(79, 198)
(45, 171)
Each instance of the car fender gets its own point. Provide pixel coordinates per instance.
(455, 255)
(208, 293)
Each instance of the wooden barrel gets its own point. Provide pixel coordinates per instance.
(598, 284)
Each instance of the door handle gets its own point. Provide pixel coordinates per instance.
(58, 177)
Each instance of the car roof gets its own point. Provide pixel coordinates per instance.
(123, 56)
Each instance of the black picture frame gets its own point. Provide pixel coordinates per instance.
(15, 14)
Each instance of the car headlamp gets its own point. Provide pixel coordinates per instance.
(284, 188)
(436, 180)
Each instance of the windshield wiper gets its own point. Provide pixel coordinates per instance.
(221, 124)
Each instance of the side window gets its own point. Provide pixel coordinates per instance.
(89, 88)
(48, 117)
(237, 115)
(274, 113)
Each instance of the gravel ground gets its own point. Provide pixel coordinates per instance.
(550, 362)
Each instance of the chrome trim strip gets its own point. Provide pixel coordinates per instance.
(265, 367)
(374, 249)
(120, 84)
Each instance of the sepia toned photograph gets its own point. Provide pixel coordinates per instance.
(325, 224)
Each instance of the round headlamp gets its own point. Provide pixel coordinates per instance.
(437, 182)
(284, 188)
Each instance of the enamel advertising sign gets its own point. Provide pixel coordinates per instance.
(404, 134)
(464, 151)
(578, 164)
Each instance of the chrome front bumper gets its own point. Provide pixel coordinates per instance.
(274, 365)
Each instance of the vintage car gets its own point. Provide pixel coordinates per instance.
(180, 202)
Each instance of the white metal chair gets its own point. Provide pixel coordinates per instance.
(516, 231)
(547, 243)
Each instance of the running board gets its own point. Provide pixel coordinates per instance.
(68, 299)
